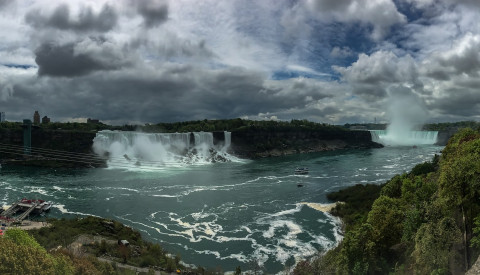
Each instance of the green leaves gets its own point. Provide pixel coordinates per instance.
(434, 245)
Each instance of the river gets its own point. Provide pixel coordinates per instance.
(219, 214)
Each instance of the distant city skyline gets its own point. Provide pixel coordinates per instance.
(330, 61)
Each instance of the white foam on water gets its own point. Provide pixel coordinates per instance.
(59, 189)
(294, 229)
(247, 229)
(64, 210)
(39, 190)
(288, 212)
(165, 196)
(337, 223)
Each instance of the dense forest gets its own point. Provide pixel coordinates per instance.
(236, 124)
(426, 221)
(188, 126)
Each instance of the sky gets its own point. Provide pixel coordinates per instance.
(328, 61)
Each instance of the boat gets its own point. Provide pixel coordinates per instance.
(40, 206)
(301, 171)
(299, 185)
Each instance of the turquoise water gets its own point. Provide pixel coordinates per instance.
(222, 214)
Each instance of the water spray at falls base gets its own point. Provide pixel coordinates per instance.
(407, 113)
(407, 138)
(135, 150)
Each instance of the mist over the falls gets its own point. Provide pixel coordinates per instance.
(407, 114)
(135, 150)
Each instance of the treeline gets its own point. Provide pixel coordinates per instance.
(68, 126)
(188, 126)
(451, 126)
(242, 125)
(368, 126)
(423, 222)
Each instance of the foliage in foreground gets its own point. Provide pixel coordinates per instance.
(139, 253)
(423, 222)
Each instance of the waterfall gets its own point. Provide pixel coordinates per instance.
(228, 140)
(408, 138)
(133, 149)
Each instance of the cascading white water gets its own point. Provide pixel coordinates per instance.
(228, 140)
(134, 149)
(407, 138)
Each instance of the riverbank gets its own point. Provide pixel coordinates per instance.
(426, 221)
(70, 145)
(83, 238)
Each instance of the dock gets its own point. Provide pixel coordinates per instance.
(12, 209)
(27, 212)
(25, 206)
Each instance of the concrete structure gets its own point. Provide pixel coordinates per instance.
(2, 116)
(36, 118)
(45, 119)
(27, 136)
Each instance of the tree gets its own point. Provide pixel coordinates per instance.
(460, 178)
(386, 218)
(358, 253)
(434, 245)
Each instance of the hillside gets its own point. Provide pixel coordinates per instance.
(426, 221)
(85, 246)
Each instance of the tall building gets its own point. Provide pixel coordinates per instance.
(36, 118)
(45, 119)
(2, 116)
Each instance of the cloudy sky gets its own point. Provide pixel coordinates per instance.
(333, 61)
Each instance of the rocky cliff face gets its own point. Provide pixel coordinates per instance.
(255, 144)
(52, 148)
(444, 136)
(67, 146)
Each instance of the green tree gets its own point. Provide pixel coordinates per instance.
(386, 218)
(358, 253)
(21, 237)
(24, 259)
(460, 179)
(434, 245)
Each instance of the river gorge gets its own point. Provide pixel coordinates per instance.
(225, 213)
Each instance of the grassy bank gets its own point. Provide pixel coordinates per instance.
(85, 246)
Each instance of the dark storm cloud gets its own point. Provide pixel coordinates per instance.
(180, 92)
(328, 5)
(87, 20)
(461, 102)
(154, 12)
(63, 60)
(4, 3)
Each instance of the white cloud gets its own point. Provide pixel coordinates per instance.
(381, 14)
(371, 74)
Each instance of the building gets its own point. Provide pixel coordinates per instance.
(93, 121)
(2, 116)
(36, 118)
(45, 119)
